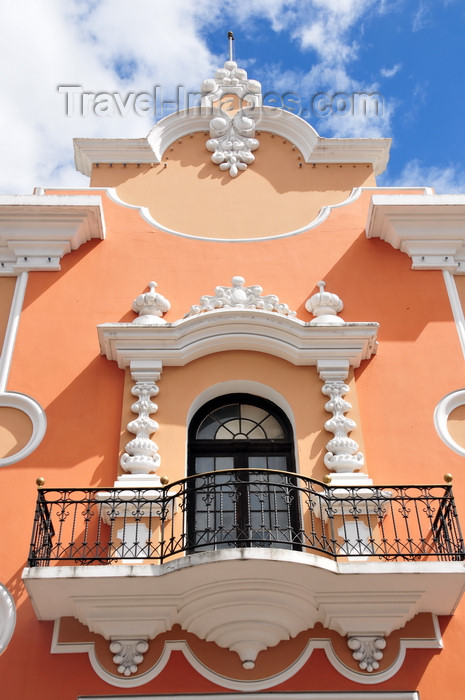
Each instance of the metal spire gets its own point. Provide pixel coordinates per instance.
(231, 51)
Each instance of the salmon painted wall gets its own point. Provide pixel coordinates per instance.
(57, 361)
(280, 193)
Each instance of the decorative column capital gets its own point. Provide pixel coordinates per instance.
(146, 370)
(333, 370)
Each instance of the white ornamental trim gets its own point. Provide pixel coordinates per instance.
(12, 399)
(240, 297)
(7, 617)
(314, 148)
(36, 231)
(441, 416)
(232, 139)
(110, 576)
(141, 453)
(342, 452)
(325, 307)
(430, 228)
(179, 343)
(128, 654)
(331, 695)
(368, 651)
(150, 307)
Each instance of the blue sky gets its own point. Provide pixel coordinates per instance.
(410, 52)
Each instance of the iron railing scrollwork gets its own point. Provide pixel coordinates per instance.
(245, 508)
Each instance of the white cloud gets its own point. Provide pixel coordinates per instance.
(421, 19)
(79, 42)
(391, 72)
(116, 46)
(444, 180)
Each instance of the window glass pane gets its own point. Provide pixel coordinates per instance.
(257, 462)
(210, 424)
(224, 463)
(204, 464)
(211, 464)
(228, 431)
(252, 430)
(253, 413)
(207, 429)
(272, 428)
(257, 434)
(277, 462)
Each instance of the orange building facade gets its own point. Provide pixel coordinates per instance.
(230, 389)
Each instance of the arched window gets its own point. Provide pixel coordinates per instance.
(239, 447)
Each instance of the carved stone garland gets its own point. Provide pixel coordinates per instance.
(232, 139)
(141, 455)
(240, 297)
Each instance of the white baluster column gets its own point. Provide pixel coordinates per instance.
(343, 456)
(140, 459)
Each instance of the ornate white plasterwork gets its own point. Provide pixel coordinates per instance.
(230, 80)
(232, 139)
(430, 228)
(150, 306)
(314, 148)
(325, 306)
(139, 602)
(141, 454)
(367, 650)
(36, 231)
(128, 654)
(239, 297)
(343, 454)
(181, 342)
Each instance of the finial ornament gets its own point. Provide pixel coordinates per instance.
(150, 307)
(232, 139)
(325, 306)
(231, 47)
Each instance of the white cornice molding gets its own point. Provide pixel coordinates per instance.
(314, 148)
(89, 151)
(36, 231)
(188, 339)
(430, 228)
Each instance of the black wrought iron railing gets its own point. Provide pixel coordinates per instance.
(245, 508)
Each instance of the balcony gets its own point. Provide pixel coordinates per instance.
(245, 557)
